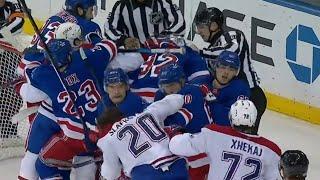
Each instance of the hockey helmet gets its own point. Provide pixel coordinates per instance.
(208, 15)
(170, 73)
(243, 113)
(60, 50)
(114, 76)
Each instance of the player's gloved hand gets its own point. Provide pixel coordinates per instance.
(207, 94)
(17, 83)
(131, 43)
(93, 38)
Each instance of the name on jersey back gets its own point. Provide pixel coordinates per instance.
(246, 147)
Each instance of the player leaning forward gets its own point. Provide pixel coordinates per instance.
(139, 145)
(235, 152)
(82, 85)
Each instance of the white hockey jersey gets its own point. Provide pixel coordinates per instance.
(139, 139)
(232, 154)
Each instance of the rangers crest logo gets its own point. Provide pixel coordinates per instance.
(156, 17)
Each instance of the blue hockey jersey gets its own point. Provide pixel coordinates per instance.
(145, 79)
(194, 115)
(225, 97)
(83, 88)
(32, 57)
(131, 104)
(47, 31)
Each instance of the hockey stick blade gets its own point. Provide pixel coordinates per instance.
(23, 114)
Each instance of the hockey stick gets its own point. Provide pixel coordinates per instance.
(81, 164)
(23, 114)
(53, 62)
(154, 51)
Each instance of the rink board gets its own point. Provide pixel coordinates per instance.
(284, 39)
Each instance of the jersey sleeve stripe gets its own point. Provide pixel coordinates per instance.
(187, 115)
(257, 139)
(110, 46)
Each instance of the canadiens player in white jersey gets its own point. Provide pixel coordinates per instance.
(139, 145)
(234, 152)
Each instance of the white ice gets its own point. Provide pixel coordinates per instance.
(287, 132)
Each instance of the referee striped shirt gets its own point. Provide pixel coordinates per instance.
(234, 41)
(12, 17)
(128, 18)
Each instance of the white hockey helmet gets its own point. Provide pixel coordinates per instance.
(243, 113)
(69, 31)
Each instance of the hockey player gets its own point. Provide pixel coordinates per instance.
(44, 125)
(146, 77)
(293, 165)
(116, 85)
(235, 152)
(192, 117)
(77, 11)
(226, 88)
(139, 145)
(209, 23)
(84, 91)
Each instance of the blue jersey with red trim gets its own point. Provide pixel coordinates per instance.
(32, 57)
(226, 96)
(83, 87)
(194, 115)
(145, 79)
(47, 31)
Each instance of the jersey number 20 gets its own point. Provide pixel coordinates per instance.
(149, 126)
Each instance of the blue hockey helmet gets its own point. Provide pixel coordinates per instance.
(60, 50)
(170, 73)
(228, 58)
(114, 76)
(85, 4)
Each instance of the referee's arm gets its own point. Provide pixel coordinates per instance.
(15, 19)
(113, 27)
(233, 41)
(173, 15)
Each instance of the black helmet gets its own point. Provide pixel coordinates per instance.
(209, 15)
(294, 163)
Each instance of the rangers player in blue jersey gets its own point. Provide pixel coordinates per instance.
(226, 88)
(191, 117)
(146, 77)
(84, 90)
(116, 84)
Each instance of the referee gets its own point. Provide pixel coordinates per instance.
(11, 16)
(134, 21)
(209, 24)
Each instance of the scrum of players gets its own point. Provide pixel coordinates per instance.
(162, 109)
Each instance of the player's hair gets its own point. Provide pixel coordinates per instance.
(109, 116)
(294, 164)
